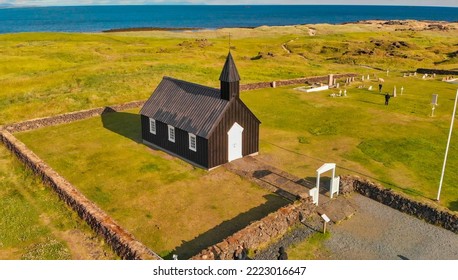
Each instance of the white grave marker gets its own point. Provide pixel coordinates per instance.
(434, 103)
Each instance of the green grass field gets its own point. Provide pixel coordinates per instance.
(166, 203)
(398, 145)
(35, 224)
(45, 74)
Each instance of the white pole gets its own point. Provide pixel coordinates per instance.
(331, 188)
(317, 186)
(446, 149)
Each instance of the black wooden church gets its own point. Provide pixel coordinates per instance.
(203, 125)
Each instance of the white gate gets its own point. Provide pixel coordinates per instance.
(333, 189)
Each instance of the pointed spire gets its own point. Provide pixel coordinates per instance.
(229, 73)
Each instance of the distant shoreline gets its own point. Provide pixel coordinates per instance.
(134, 29)
(178, 29)
(406, 24)
(195, 17)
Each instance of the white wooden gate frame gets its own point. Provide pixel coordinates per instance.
(334, 189)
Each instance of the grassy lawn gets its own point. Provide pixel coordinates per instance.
(399, 145)
(35, 224)
(166, 203)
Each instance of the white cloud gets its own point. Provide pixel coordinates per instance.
(451, 3)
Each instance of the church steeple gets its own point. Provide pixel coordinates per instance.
(230, 79)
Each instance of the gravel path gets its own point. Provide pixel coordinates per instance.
(379, 232)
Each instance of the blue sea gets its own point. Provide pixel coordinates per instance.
(99, 18)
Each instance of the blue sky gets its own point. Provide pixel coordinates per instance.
(450, 3)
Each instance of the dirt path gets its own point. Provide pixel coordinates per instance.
(370, 67)
(378, 232)
(285, 46)
(288, 50)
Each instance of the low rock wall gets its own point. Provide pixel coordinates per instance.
(316, 79)
(255, 86)
(122, 242)
(69, 117)
(436, 71)
(260, 232)
(429, 213)
(85, 114)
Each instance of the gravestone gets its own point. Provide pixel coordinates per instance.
(330, 79)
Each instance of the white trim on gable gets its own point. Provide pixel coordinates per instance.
(152, 126)
(171, 133)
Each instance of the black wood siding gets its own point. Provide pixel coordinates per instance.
(218, 140)
(181, 145)
(230, 90)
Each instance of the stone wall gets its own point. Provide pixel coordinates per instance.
(429, 213)
(69, 117)
(436, 71)
(316, 79)
(260, 232)
(255, 86)
(122, 242)
(85, 114)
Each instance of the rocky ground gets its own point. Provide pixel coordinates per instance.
(295, 236)
(375, 232)
(382, 233)
(412, 25)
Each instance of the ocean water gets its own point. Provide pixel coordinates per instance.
(99, 18)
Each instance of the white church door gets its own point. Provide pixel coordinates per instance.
(235, 142)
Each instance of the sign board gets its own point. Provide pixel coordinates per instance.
(325, 218)
(434, 99)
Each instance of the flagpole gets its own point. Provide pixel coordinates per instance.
(446, 149)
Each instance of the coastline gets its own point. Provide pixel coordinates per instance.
(135, 29)
(83, 19)
(395, 25)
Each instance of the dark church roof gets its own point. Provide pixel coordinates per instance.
(229, 73)
(191, 107)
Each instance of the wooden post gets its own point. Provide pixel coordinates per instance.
(325, 221)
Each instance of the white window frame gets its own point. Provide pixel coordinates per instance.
(171, 133)
(192, 136)
(152, 126)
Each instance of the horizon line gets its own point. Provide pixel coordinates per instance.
(7, 5)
